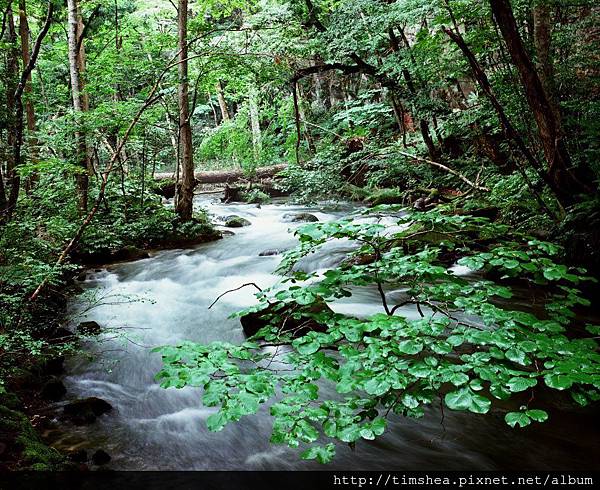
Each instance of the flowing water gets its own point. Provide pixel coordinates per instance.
(164, 300)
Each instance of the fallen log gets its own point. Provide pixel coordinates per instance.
(226, 176)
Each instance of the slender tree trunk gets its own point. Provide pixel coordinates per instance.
(80, 104)
(222, 102)
(568, 182)
(12, 69)
(25, 54)
(255, 121)
(3, 201)
(214, 112)
(184, 204)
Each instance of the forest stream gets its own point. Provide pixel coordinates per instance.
(164, 300)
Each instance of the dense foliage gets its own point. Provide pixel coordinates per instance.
(477, 117)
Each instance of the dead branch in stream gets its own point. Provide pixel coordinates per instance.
(232, 290)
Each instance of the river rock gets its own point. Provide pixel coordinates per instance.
(100, 457)
(86, 410)
(360, 259)
(424, 203)
(89, 328)
(272, 251)
(299, 218)
(130, 253)
(60, 335)
(53, 390)
(253, 322)
(78, 456)
(53, 366)
(236, 221)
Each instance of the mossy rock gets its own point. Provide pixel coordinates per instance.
(236, 222)
(86, 410)
(24, 448)
(299, 218)
(255, 197)
(385, 196)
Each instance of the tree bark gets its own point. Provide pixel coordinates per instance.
(80, 105)
(25, 54)
(222, 102)
(255, 122)
(568, 181)
(184, 205)
(12, 68)
(542, 34)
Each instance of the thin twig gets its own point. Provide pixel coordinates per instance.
(232, 290)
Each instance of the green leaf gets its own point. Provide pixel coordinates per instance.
(558, 381)
(249, 402)
(350, 433)
(537, 415)
(216, 421)
(517, 384)
(410, 347)
(377, 386)
(517, 418)
(308, 348)
(516, 355)
(323, 454)
(467, 399)
(458, 379)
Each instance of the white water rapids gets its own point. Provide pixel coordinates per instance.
(168, 295)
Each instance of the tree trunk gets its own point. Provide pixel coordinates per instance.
(567, 181)
(222, 102)
(214, 112)
(80, 105)
(12, 69)
(255, 121)
(29, 110)
(184, 204)
(542, 34)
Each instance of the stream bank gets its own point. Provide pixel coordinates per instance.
(34, 383)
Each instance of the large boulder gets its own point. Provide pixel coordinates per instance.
(100, 457)
(89, 328)
(53, 366)
(234, 221)
(129, 253)
(253, 322)
(86, 410)
(53, 390)
(299, 218)
(77, 456)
